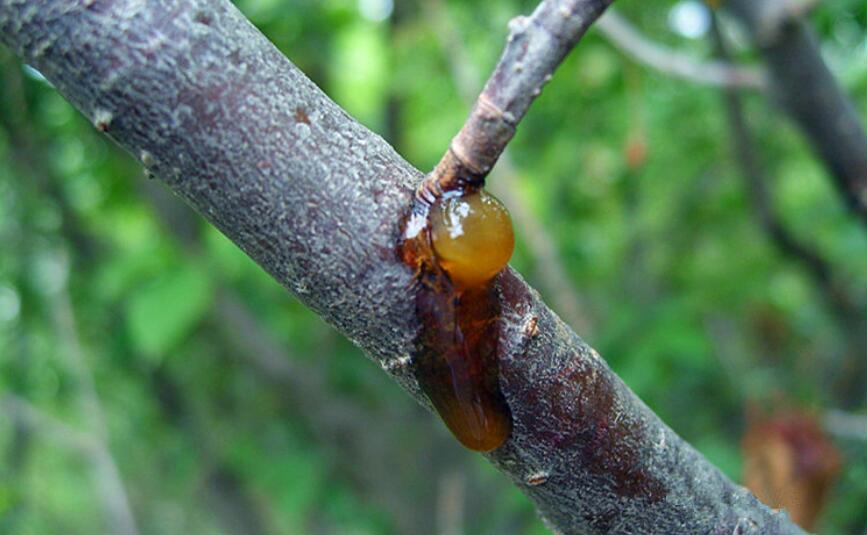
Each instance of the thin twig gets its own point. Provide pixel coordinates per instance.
(450, 503)
(536, 46)
(629, 40)
(552, 273)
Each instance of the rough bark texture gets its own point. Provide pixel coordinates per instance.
(211, 107)
(807, 91)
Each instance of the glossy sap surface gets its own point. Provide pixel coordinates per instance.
(457, 365)
(464, 242)
(472, 236)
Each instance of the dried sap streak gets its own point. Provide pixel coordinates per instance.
(457, 246)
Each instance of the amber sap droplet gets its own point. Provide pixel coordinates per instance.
(456, 365)
(472, 237)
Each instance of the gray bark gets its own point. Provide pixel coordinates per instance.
(805, 89)
(208, 105)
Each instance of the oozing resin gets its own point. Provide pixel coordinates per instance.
(457, 246)
(472, 237)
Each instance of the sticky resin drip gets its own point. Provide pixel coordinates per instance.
(457, 245)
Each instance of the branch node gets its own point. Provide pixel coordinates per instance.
(147, 159)
(537, 478)
(517, 26)
(531, 327)
(102, 119)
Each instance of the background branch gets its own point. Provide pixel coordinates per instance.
(806, 90)
(112, 494)
(120, 518)
(22, 411)
(628, 39)
(846, 425)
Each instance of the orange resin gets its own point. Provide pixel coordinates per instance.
(467, 240)
(472, 237)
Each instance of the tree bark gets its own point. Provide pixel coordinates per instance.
(208, 105)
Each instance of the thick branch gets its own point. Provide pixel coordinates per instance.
(643, 50)
(535, 48)
(809, 94)
(208, 105)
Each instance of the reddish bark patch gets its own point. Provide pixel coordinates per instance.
(301, 116)
(577, 410)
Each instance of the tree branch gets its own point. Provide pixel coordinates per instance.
(210, 106)
(631, 42)
(535, 48)
(552, 273)
(807, 91)
(112, 494)
(852, 372)
(772, 16)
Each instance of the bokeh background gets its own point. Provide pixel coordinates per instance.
(144, 358)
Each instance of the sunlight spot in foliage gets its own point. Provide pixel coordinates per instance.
(10, 304)
(689, 18)
(360, 72)
(51, 271)
(375, 10)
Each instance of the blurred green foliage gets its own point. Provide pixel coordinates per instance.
(272, 423)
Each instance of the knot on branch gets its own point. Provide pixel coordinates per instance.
(518, 26)
(472, 153)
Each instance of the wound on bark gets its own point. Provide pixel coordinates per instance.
(456, 245)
